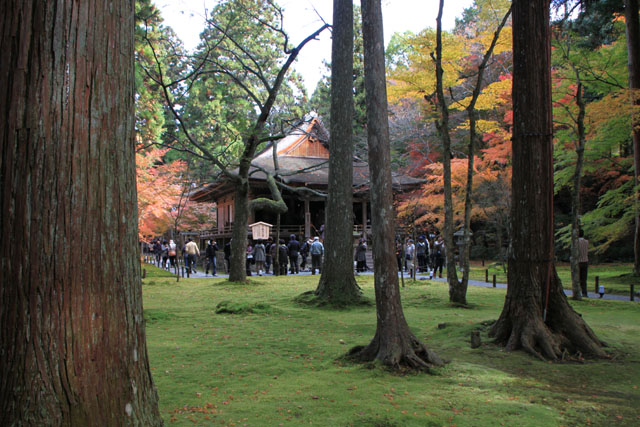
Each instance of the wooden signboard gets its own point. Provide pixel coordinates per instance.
(260, 230)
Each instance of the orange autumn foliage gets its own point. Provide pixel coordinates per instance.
(162, 197)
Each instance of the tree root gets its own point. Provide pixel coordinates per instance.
(407, 353)
(563, 335)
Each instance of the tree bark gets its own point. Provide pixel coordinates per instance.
(456, 293)
(337, 283)
(536, 316)
(72, 335)
(633, 48)
(575, 191)
(393, 344)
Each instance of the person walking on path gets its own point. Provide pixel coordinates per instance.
(422, 253)
(440, 253)
(583, 262)
(294, 251)
(361, 256)
(193, 252)
(409, 255)
(282, 257)
(210, 253)
(173, 253)
(227, 255)
(268, 255)
(304, 253)
(259, 257)
(317, 251)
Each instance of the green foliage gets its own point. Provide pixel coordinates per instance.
(286, 368)
(321, 99)
(221, 88)
(607, 207)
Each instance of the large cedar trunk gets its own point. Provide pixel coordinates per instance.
(393, 344)
(72, 335)
(337, 283)
(633, 49)
(536, 316)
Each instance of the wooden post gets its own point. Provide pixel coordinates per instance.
(631, 296)
(597, 284)
(494, 280)
(307, 219)
(144, 273)
(486, 275)
(364, 217)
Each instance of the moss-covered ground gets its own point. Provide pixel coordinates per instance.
(226, 353)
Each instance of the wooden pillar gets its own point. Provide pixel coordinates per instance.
(307, 219)
(364, 216)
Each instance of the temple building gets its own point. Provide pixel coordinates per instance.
(302, 157)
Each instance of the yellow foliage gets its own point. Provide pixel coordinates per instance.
(420, 78)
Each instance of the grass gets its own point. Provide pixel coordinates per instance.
(276, 362)
(616, 278)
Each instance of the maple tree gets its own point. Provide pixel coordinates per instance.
(163, 203)
(607, 196)
(422, 74)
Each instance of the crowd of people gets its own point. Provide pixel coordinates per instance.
(427, 256)
(293, 256)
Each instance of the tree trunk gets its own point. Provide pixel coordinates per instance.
(337, 283)
(72, 334)
(633, 48)
(442, 125)
(393, 344)
(536, 316)
(238, 272)
(575, 192)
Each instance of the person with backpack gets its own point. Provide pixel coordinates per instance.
(173, 253)
(304, 253)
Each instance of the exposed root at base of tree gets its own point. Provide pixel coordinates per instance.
(311, 299)
(407, 353)
(565, 335)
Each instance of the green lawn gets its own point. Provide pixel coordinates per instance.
(280, 365)
(616, 278)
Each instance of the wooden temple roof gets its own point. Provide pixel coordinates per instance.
(303, 160)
